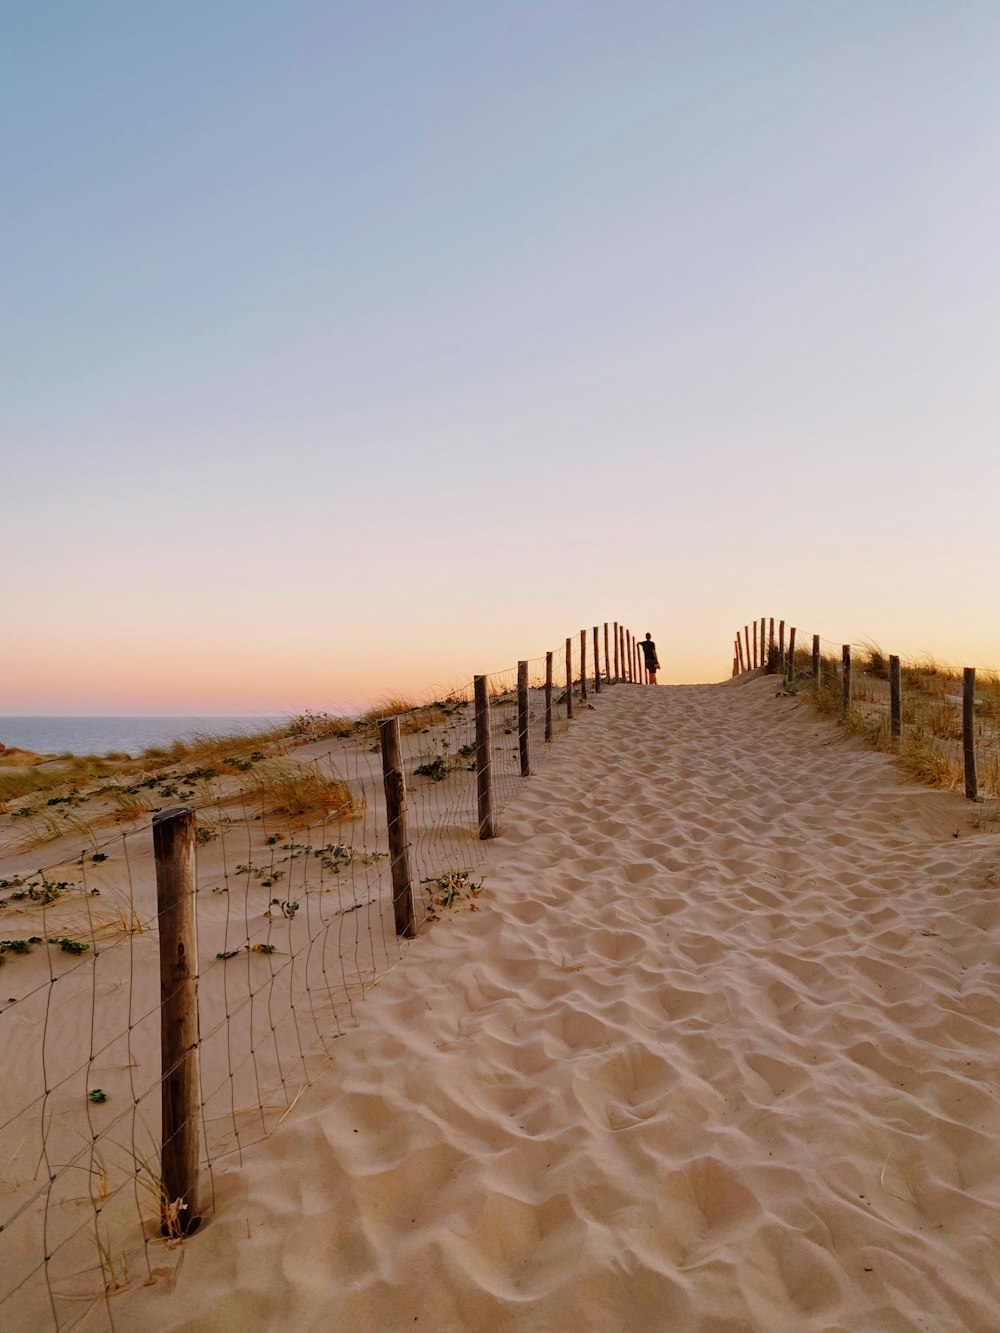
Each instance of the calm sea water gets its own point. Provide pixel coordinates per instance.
(128, 735)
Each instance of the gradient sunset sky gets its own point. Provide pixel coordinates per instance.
(356, 347)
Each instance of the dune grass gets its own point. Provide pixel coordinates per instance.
(393, 705)
(23, 773)
(301, 795)
(210, 750)
(929, 748)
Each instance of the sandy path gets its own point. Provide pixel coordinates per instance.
(718, 1052)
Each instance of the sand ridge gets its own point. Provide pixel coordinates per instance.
(717, 1053)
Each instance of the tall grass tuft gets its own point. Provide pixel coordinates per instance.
(393, 705)
(302, 795)
(923, 760)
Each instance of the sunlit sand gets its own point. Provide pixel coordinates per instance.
(716, 1052)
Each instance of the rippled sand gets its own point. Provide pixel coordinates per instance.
(718, 1052)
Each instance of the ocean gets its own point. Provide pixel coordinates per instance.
(125, 735)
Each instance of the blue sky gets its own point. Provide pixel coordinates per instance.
(346, 346)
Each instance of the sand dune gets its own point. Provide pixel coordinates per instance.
(717, 1053)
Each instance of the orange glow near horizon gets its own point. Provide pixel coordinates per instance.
(273, 675)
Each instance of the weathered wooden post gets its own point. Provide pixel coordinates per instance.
(845, 684)
(746, 635)
(621, 644)
(755, 644)
(180, 1084)
(739, 654)
(394, 784)
(616, 652)
(790, 676)
(583, 664)
(569, 679)
(522, 719)
(484, 759)
(969, 732)
(763, 651)
(781, 646)
(607, 656)
(895, 701)
(817, 664)
(631, 657)
(597, 661)
(548, 696)
(771, 649)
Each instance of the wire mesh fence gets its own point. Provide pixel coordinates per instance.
(295, 923)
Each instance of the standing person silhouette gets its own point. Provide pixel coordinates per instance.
(652, 661)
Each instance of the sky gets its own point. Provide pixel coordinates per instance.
(349, 349)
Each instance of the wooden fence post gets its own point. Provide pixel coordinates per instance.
(607, 656)
(763, 652)
(817, 664)
(895, 701)
(771, 662)
(583, 664)
(394, 783)
(616, 652)
(484, 759)
(755, 643)
(180, 1085)
(781, 646)
(597, 661)
(569, 679)
(548, 696)
(746, 635)
(845, 686)
(631, 657)
(790, 673)
(522, 719)
(739, 653)
(621, 645)
(969, 732)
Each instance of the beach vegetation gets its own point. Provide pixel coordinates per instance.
(287, 909)
(318, 726)
(930, 741)
(215, 753)
(302, 795)
(204, 832)
(442, 892)
(393, 705)
(226, 954)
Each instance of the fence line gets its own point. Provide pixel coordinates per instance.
(941, 722)
(284, 875)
